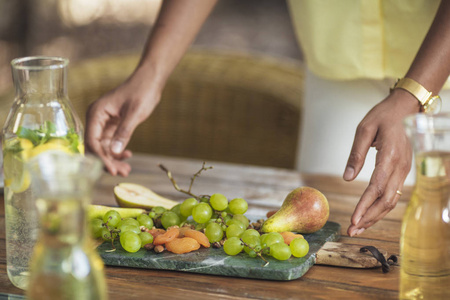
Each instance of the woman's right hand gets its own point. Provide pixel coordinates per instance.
(112, 119)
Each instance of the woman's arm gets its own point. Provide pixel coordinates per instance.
(112, 119)
(382, 128)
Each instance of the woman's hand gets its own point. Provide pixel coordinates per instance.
(381, 128)
(112, 119)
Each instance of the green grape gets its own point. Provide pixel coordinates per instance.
(236, 222)
(212, 221)
(107, 235)
(250, 232)
(187, 206)
(146, 238)
(218, 202)
(243, 219)
(251, 241)
(129, 221)
(96, 228)
(251, 253)
(130, 241)
(238, 206)
(234, 230)
(158, 210)
(214, 232)
(224, 214)
(233, 246)
(299, 247)
(200, 227)
(177, 209)
(204, 199)
(227, 218)
(145, 220)
(152, 214)
(269, 239)
(169, 218)
(112, 218)
(227, 210)
(201, 213)
(125, 227)
(280, 251)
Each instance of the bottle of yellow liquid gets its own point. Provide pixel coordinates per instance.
(41, 119)
(425, 236)
(65, 265)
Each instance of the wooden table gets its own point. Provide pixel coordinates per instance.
(264, 189)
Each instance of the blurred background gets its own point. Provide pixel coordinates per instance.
(87, 30)
(80, 29)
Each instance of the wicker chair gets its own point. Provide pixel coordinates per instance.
(216, 106)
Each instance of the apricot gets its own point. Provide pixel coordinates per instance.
(182, 245)
(289, 236)
(171, 234)
(199, 236)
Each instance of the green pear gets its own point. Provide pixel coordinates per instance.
(135, 195)
(304, 210)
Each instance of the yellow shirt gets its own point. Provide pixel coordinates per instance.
(350, 39)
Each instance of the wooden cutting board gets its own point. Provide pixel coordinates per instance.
(216, 262)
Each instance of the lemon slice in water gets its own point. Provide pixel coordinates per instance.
(17, 177)
(52, 145)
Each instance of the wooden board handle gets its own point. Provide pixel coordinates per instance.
(346, 255)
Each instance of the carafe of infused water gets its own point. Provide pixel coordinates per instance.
(425, 236)
(64, 265)
(41, 119)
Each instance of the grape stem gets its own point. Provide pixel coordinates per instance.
(258, 253)
(175, 185)
(111, 231)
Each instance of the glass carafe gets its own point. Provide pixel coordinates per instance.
(425, 235)
(40, 119)
(65, 264)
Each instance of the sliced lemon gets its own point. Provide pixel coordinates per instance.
(17, 177)
(52, 145)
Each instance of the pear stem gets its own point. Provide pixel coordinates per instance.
(175, 185)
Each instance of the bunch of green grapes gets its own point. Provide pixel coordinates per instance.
(254, 244)
(215, 214)
(221, 219)
(128, 230)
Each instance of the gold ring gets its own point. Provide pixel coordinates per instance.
(398, 192)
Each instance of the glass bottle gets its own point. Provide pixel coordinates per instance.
(41, 119)
(65, 265)
(425, 235)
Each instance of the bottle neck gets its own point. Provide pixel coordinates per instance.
(40, 76)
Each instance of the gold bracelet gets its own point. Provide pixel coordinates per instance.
(428, 102)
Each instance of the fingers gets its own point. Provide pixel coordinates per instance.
(96, 122)
(129, 121)
(364, 138)
(380, 178)
(371, 209)
(100, 128)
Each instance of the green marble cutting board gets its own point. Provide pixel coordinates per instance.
(216, 262)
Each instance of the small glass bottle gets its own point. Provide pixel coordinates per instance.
(425, 235)
(41, 119)
(65, 264)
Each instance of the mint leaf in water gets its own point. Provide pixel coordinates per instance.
(74, 140)
(29, 134)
